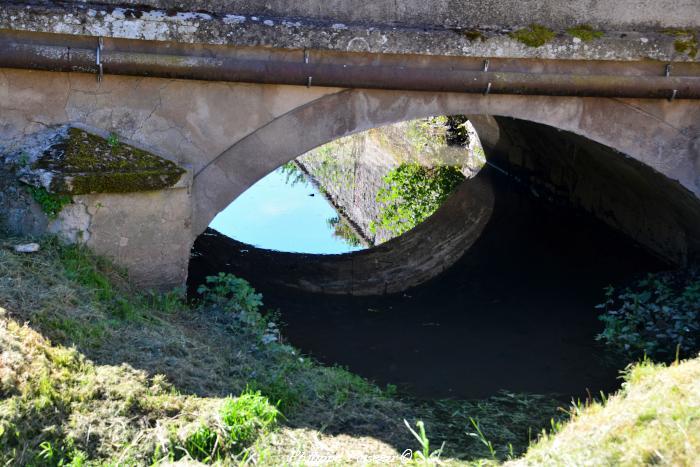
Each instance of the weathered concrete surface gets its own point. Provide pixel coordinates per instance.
(316, 28)
(394, 266)
(187, 122)
(456, 13)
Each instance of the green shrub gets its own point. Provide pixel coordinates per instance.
(657, 316)
(230, 292)
(413, 192)
(247, 416)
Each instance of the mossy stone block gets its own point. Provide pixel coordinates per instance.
(79, 162)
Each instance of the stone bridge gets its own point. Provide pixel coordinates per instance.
(595, 103)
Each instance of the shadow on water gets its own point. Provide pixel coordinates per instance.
(516, 312)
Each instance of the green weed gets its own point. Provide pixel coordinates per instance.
(230, 292)
(51, 204)
(113, 140)
(482, 439)
(657, 316)
(425, 453)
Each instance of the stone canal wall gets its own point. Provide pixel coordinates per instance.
(350, 171)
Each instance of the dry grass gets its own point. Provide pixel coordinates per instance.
(654, 420)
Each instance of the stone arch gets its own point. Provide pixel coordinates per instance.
(658, 134)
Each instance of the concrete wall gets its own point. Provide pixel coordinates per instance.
(234, 134)
(453, 13)
(148, 233)
(573, 171)
(444, 36)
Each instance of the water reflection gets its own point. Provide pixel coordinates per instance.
(358, 191)
(284, 211)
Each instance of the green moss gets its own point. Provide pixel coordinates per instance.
(86, 163)
(473, 35)
(687, 42)
(534, 35)
(50, 203)
(585, 32)
(689, 46)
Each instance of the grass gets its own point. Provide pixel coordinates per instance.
(654, 419)
(94, 372)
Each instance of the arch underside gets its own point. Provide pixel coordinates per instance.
(659, 134)
(630, 163)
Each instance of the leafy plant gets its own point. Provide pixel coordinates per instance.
(343, 230)
(113, 140)
(231, 292)
(293, 174)
(658, 316)
(50, 203)
(412, 193)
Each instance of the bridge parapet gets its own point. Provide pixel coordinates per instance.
(659, 30)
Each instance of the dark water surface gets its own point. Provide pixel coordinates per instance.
(515, 313)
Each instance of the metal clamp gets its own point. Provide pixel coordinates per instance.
(306, 56)
(673, 95)
(488, 89)
(98, 61)
(668, 70)
(486, 65)
(308, 81)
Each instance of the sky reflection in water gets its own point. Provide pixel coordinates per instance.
(277, 215)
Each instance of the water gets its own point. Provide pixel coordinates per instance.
(283, 212)
(516, 312)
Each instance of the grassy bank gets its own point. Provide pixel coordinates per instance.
(94, 372)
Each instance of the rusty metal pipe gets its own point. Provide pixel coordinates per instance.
(54, 52)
